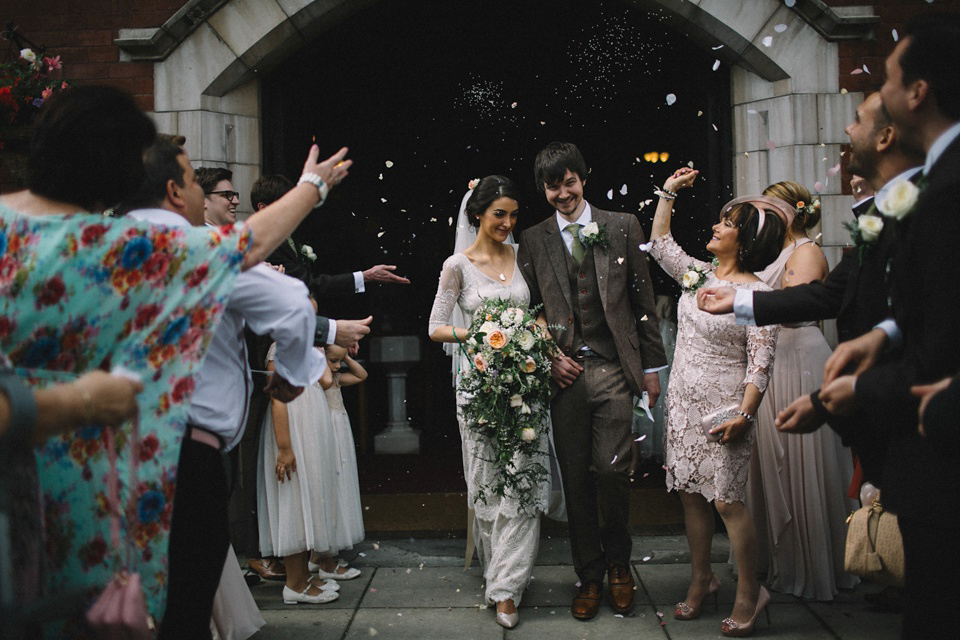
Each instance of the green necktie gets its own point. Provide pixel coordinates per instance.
(577, 248)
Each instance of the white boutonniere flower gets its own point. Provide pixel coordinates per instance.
(528, 434)
(593, 234)
(870, 227)
(516, 400)
(899, 200)
(308, 253)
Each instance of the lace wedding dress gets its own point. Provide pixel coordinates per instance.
(507, 538)
(714, 361)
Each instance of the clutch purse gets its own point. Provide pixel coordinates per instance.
(874, 546)
(716, 419)
(120, 611)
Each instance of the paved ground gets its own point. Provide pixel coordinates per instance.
(417, 589)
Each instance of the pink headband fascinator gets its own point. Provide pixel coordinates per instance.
(765, 204)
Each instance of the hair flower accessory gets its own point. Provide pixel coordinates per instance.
(809, 208)
(473, 184)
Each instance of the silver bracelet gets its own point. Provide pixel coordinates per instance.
(318, 182)
(666, 195)
(749, 417)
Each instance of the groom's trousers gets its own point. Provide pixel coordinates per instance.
(591, 429)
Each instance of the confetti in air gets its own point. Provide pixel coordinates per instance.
(620, 260)
(771, 145)
(834, 170)
(610, 194)
(623, 190)
(896, 36)
(818, 186)
(767, 41)
(671, 98)
(716, 65)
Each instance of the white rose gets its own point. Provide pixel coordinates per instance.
(870, 227)
(307, 251)
(528, 434)
(899, 200)
(516, 400)
(525, 408)
(518, 316)
(590, 230)
(487, 328)
(28, 55)
(690, 279)
(506, 317)
(526, 340)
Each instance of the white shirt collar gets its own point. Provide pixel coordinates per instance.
(586, 217)
(160, 216)
(939, 146)
(885, 189)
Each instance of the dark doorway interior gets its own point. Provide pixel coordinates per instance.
(431, 93)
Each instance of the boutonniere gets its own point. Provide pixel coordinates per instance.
(864, 233)
(594, 234)
(308, 253)
(899, 200)
(694, 278)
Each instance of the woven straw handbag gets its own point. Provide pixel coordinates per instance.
(874, 545)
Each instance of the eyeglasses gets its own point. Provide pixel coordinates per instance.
(228, 195)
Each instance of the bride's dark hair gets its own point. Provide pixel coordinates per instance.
(487, 190)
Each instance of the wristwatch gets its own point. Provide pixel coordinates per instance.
(318, 182)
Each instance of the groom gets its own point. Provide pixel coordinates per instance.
(593, 282)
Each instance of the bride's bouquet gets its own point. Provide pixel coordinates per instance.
(509, 384)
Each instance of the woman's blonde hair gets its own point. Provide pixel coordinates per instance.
(808, 211)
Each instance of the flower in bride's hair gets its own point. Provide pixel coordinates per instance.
(899, 200)
(516, 400)
(529, 365)
(496, 339)
(528, 434)
(480, 363)
(473, 184)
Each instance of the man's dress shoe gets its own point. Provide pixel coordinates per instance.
(267, 568)
(586, 604)
(621, 588)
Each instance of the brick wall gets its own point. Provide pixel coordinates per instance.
(81, 32)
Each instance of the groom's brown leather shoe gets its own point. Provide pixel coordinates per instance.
(586, 604)
(267, 568)
(621, 588)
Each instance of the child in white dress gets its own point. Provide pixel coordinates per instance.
(346, 528)
(294, 506)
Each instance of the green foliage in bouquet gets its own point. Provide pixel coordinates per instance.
(509, 386)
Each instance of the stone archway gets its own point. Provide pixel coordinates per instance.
(788, 111)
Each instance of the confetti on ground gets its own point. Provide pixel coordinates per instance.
(618, 615)
(644, 318)
(790, 3)
(646, 558)
(376, 546)
(362, 554)
(614, 459)
(373, 589)
(409, 570)
(780, 28)
(620, 260)
(671, 98)
(843, 92)
(421, 566)
(372, 631)
(717, 48)
(767, 41)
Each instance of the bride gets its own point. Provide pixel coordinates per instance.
(507, 536)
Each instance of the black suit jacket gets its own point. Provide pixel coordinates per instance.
(925, 290)
(295, 265)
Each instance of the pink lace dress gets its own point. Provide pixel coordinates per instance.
(714, 361)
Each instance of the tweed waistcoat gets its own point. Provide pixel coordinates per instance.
(590, 327)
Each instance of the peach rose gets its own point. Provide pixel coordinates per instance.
(496, 339)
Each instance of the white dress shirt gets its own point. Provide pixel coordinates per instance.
(270, 303)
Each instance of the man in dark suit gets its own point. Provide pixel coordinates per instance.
(922, 95)
(855, 291)
(585, 266)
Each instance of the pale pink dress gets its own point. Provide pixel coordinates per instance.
(715, 359)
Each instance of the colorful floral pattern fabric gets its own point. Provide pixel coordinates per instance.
(79, 292)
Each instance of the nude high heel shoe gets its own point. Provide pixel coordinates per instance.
(733, 629)
(686, 612)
